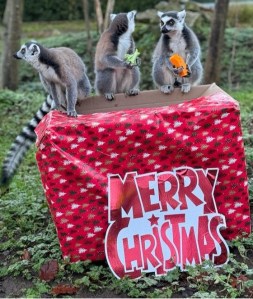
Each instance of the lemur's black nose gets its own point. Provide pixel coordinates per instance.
(16, 56)
(164, 30)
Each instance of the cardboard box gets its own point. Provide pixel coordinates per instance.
(151, 132)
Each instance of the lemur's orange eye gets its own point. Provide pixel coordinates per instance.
(170, 22)
(23, 51)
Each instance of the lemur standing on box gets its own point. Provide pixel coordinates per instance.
(61, 70)
(113, 74)
(62, 73)
(178, 38)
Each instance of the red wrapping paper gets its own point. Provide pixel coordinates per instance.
(75, 155)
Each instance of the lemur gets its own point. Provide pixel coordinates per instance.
(62, 73)
(22, 143)
(59, 68)
(112, 73)
(176, 37)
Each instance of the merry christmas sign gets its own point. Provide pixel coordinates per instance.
(159, 221)
(182, 156)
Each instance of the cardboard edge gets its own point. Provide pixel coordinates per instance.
(145, 99)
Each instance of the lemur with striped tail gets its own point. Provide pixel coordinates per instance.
(63, 76)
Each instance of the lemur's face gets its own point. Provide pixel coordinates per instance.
(171, 21)
(29, 52)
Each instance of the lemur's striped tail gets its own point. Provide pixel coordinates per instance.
(22, 144)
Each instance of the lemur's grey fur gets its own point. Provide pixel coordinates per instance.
(113, 74)
(176, 37)
(62, 73)
(23, 143)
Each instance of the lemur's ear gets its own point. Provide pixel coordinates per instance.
(112, 16)
(181, 15)
(159, 13)
(131, 14)
(35, 49)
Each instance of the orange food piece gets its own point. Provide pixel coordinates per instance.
(177, 61)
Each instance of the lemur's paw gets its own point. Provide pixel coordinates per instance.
(167, 88)
(128, 65)
(186, 87)
(133, 92)
(72, 113)
(178, 70)
(109, 96)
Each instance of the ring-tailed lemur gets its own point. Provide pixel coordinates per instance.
(22, 143)
(113, 74)
(178, 38)
(62, 73)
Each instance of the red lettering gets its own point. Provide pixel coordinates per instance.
(158, 251)
(132, 254)
(112, 250)
(168, 187)
(148, 249)
(206, 243)
(173, 260)
(215, 224)
(175, 220)
(146, 184)
(187, 191)
(123, 194)
(189, 247)
(207, 183)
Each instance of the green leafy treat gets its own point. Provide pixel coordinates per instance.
(133, 59)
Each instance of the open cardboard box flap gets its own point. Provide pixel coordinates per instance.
(147, 98)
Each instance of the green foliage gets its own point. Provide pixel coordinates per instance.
(146, 37)
(237, 64)
(10, 97)
(45, 10)
(128, 5)
(244, 97)
(37, 290)
(228, 281)
(240, 15)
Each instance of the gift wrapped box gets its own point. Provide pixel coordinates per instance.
(151, 132)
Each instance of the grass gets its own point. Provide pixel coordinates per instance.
(28, 236)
